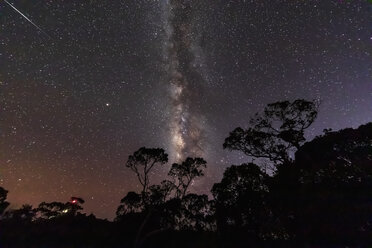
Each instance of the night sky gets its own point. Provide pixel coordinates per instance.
(104, 78)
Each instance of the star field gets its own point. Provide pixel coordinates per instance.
(74, 105)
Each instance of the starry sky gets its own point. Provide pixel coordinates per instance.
(104, 78)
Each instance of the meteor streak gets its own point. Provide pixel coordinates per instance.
(28, 19)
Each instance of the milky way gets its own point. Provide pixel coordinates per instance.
(186, 125)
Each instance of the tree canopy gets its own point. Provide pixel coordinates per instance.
(184, 173)
(143, 161)
(274, 133)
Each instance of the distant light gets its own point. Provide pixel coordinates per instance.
(64, 211)
(108, 104)
(74, 201)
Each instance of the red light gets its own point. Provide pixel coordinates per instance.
(74, 201)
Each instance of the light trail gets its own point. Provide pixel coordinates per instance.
(28, 19)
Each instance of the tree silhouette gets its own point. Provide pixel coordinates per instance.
(334, 184)
(131, 203)
(196, 213)
(155, 204)
(185, 173)
(74, 205)
(51, 210)
(158, 194)
(275, 132)
(192, 212)
(240, 199)
(25, 214)
(143, 161)
(57, 209)
(3, 203)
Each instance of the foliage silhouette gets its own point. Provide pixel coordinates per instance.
(58, 209)
(240, 199)
(275, 132)
(192, 212)
(335, 182)
(131, 203)
(25, 214)
(165, 206)
(143, 161)
(185, 173)
(3, 203)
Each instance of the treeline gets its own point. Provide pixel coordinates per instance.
(293, 193)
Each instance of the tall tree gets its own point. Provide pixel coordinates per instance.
(276, 132)
(143, 161)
